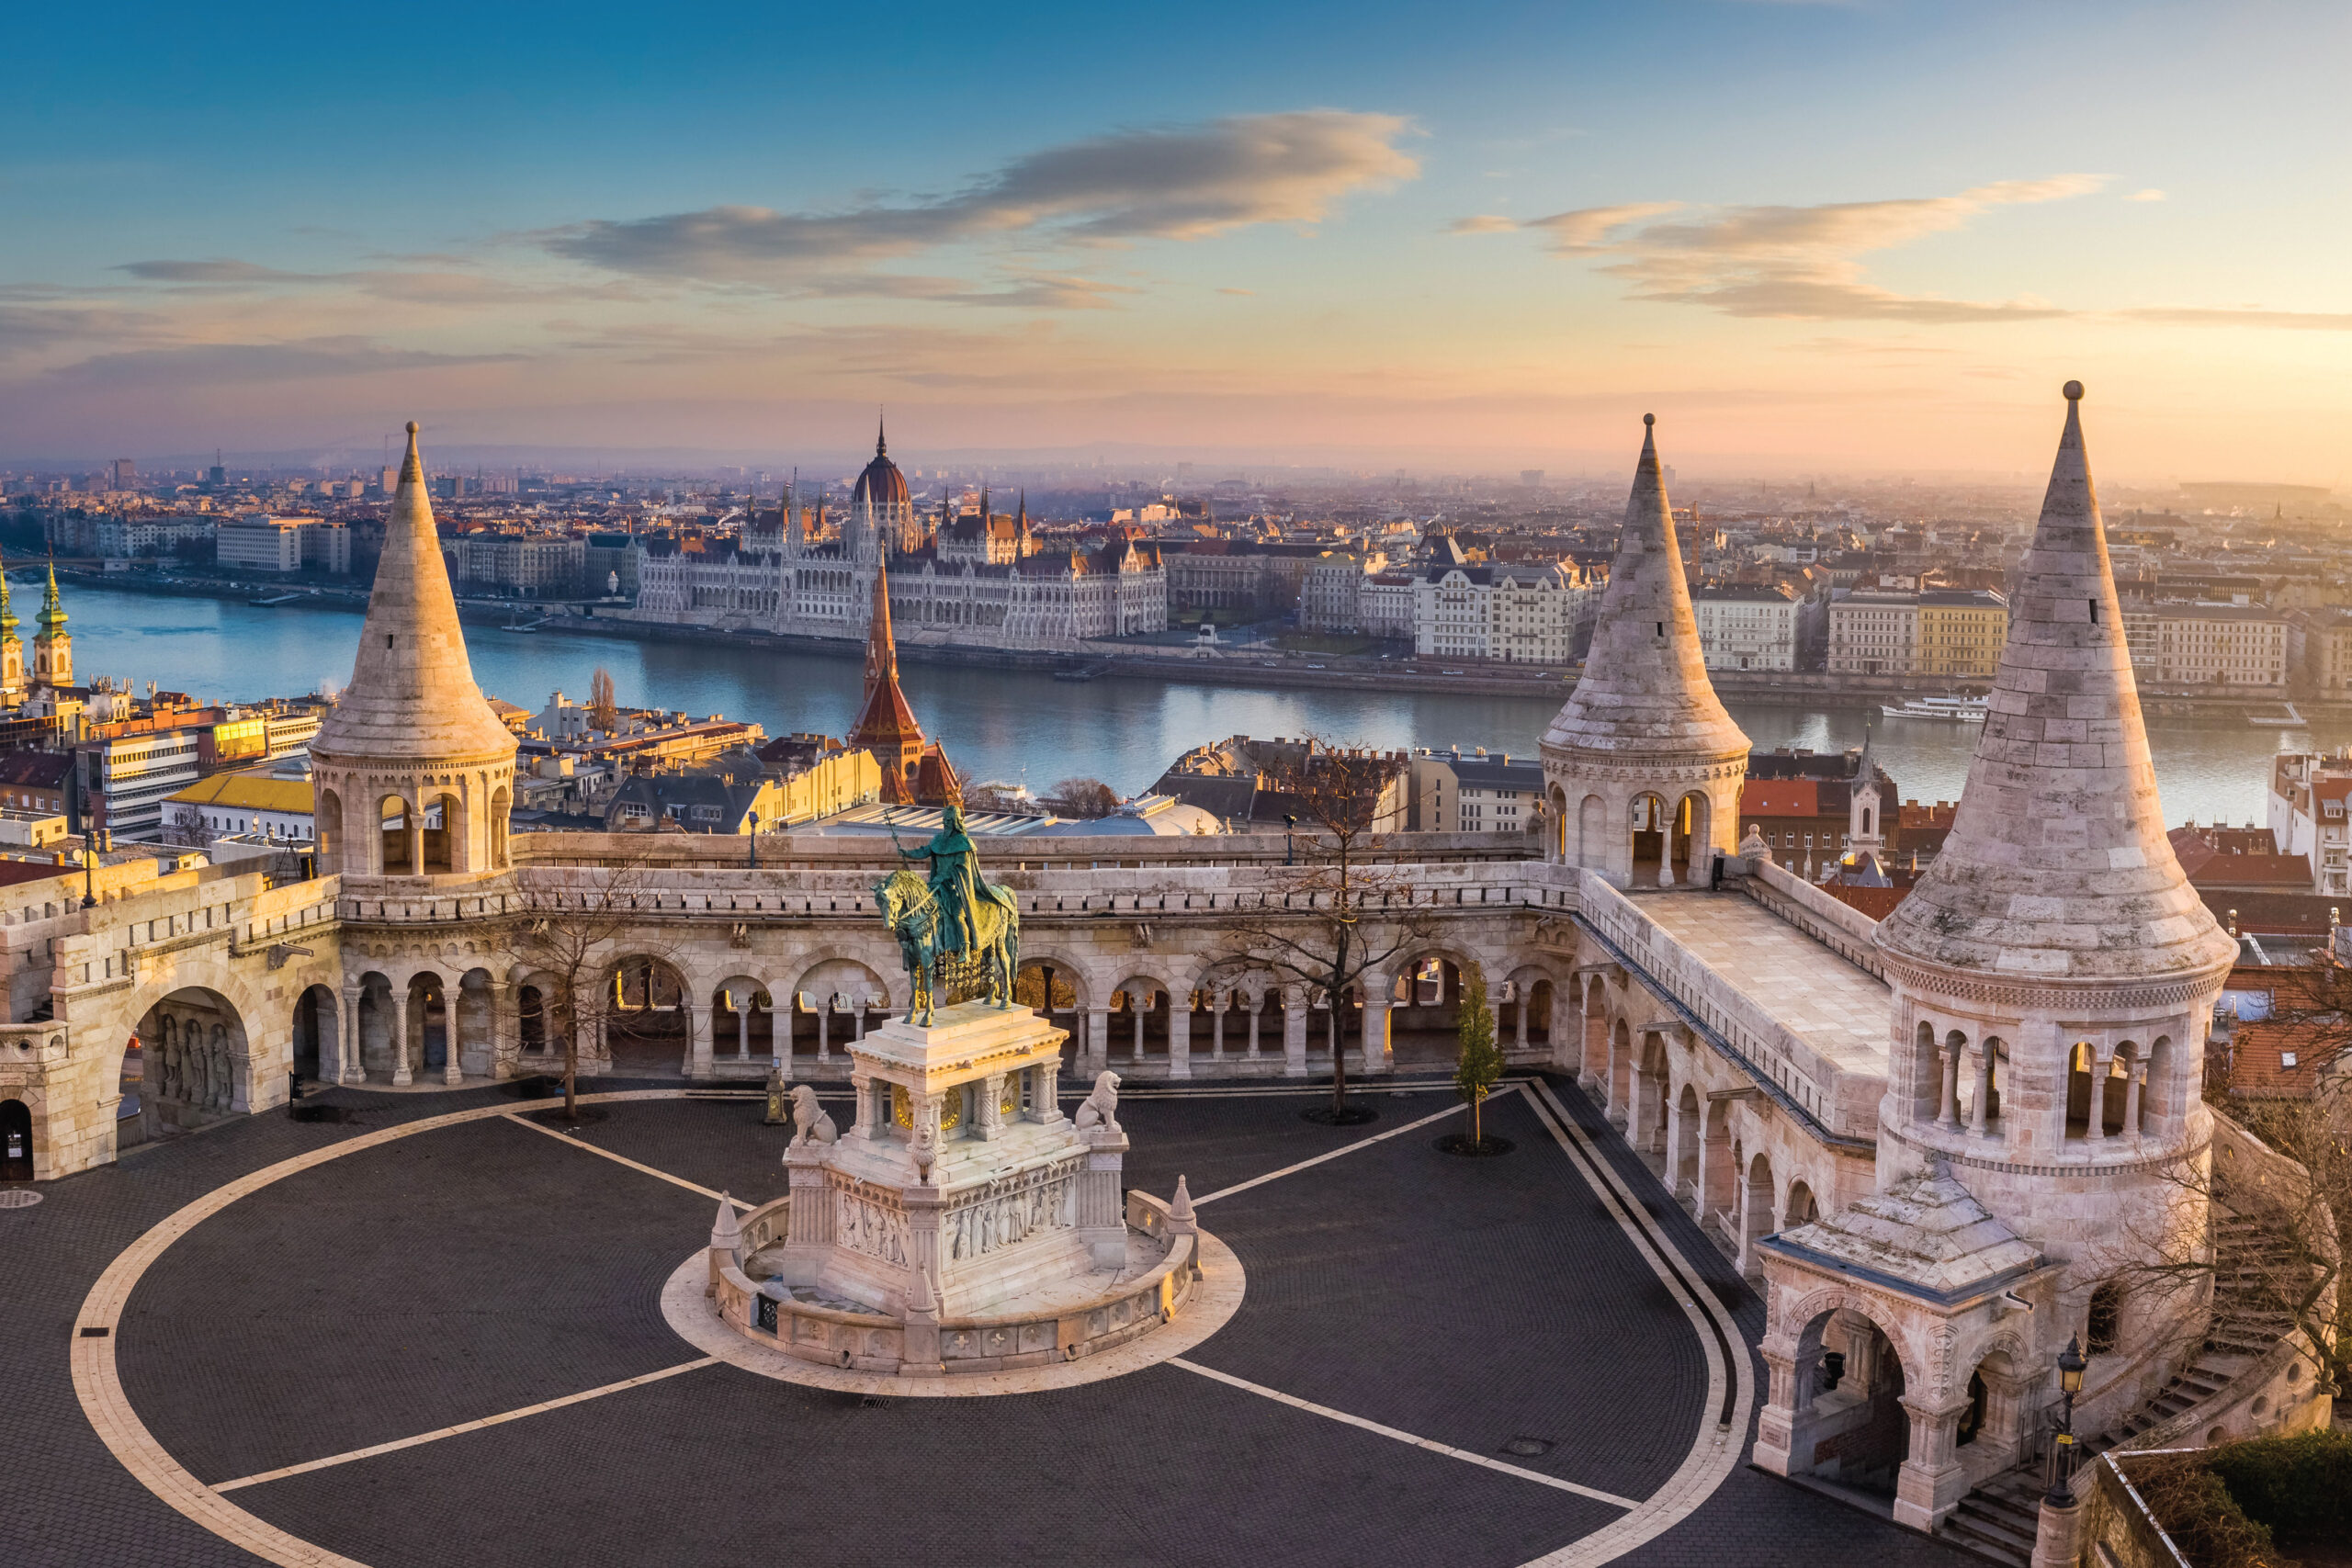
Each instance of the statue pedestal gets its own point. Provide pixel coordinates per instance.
(960, 1168)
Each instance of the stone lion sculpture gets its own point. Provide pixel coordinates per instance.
(810, 1123)
(1100, 1108)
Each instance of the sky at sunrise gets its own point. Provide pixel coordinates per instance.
(1872, 236)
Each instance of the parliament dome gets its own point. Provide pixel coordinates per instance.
(881, 485)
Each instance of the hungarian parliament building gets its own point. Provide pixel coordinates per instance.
(983, 578)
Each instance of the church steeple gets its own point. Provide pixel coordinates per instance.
(886, 723)
(52, 645)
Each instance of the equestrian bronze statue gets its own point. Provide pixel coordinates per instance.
(958, 933)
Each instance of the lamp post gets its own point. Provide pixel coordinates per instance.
(1290, 826)
(754, 819)
(2062, 1452)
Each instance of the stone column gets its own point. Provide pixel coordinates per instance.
(1255, 1010)
(1931, 1482)
(743, 1025)
(347, 1033)
(505, 1029)
(398, 1010)
(453, 997)
(1674, 1150)
(808, 1237)
(824, 1041)
(1293, 1031)
(1948, 1091)
(1984, 1070)
(1180, 1036)
(1376, 1057)
(1775, 1426)
(1098, 1039)
(1218, 1001)
(1518, 1008)
(2132, 1090)
(698, 1064)
(2095, 1102)
(413, 832)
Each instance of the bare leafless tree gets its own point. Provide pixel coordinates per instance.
(2270, 1255)
(577, 923)
(1084, 797)
(1326, 920)
(603, 703)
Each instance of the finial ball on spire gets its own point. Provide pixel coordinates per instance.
(1649, 419)
(411, 427)
(2073, 390)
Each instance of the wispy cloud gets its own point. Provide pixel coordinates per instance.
(2248, 316)
(1178, 182)
(1795, 262)
(2151, 193)
(226, 272)
(201, 364)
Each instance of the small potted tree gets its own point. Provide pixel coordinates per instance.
(1478, 1064)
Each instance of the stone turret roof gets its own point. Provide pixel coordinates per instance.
(2057, 865)
(413, 697)
(1927, 1235)
(1644, 690)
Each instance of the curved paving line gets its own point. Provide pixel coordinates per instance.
(98, 1383)
(1716, 1448)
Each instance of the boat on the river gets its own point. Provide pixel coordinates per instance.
(274, 602)
(1083, 673)
(1943, 710)
(2292, 719)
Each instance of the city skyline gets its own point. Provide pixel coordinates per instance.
(1860, 237)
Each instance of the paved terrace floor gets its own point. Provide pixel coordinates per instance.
(1838, 1008)
(1489, 1363)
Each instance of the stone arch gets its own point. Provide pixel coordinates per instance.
(1142, 1009)
(443, 836)
(326, 829)
(1800, 1207)
(1650, 828)
(502, 804)
(1596, 1031)
(1647, 1107)
(400, 829)
(1425, 1002)
(2103, 1319)
(1527, 1014)
(205, 1071)
(1560, 845)
(1055, 989)
(317, 1033)
(1592, 833)
(644, 1013)
(1983, 1079)
(743, 1019)
(474, 1035)
(2161, 1096)
(15, 1141)
(1845, 1399)
(837, 995)
(1620, 1068)
(1718, 1171)
(1693, 823)
(1758, 1206)
(430, 1026)
(1688, 1112)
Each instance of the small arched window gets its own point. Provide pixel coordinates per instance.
(2100, 1333)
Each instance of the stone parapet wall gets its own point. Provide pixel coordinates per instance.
(1843, 1103)
(868, 852)
(1838, 926)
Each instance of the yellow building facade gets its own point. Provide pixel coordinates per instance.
(1960, 634)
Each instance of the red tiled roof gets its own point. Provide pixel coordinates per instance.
(2274, 1060)
(1779, 797)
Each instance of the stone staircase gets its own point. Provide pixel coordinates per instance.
(1997, 1520)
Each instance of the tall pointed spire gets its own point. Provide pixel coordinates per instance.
(886, 723)
(7, 611)
(412, 695)
(881, 436)
(53, 609)
(2057, 866)
(1644, 688)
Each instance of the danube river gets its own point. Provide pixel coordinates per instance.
(1030, 727)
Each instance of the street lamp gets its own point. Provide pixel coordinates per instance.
(755, 840)
(2062, 1452)
(1290, 826)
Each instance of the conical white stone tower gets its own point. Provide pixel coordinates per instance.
(1643, 767)
(2054, 972)
(413, 774)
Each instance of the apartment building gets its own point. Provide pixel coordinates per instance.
(2207, 645)
(1874, 633)
(1520, 614)
(1960, 634)
(1749, 628)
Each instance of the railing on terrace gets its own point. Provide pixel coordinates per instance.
(810, 852)
(1150, 892)
(1789, 1072)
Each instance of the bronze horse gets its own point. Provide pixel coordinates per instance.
(912, 914)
